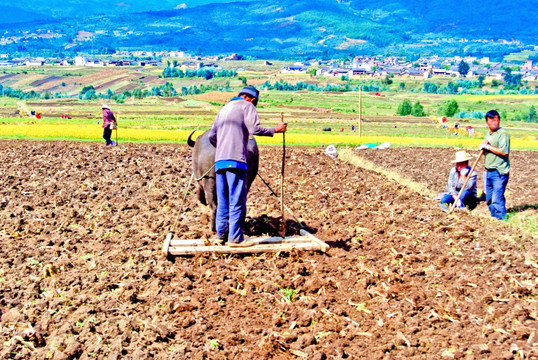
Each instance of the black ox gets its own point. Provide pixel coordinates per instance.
(203, 168)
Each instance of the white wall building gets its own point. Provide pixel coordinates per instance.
(80, 60)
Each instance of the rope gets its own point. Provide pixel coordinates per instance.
(182, 204)
(275, 194)
(207, 172)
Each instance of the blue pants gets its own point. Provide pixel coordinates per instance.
(495, 187)
(107, 133)
(231, 203)
(467, 199)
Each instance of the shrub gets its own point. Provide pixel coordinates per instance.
(405, 108)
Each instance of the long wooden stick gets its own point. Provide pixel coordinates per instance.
(117, 129)
(451, 208)
(283, 225)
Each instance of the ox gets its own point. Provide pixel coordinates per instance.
(203, 168)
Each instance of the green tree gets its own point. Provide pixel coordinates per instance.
(418, 110)
(405, 108)
(495, 83)
(532, 114)
(511, 81)
(481, 79)
(449, 108)
(387, 80)
(463, 68)
(402, 86)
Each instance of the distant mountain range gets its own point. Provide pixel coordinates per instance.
(279, 28)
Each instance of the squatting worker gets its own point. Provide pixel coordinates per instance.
(496, 146)
(456, 179)
(108, 120)
(230, 132)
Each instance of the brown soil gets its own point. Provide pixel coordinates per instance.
(81, 274)
(45, 80)
(110, 83)
(6, 76)
(128, 87)
(434, 166)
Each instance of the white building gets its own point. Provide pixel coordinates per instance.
(95, 63)
(80, 60)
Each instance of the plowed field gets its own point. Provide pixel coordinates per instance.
(82, 276)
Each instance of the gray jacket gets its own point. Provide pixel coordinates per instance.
(455, 182)
(234, 123)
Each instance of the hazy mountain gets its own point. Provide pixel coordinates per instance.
(286, 27)
(12, 14)
(76, 8)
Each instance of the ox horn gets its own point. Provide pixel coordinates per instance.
(191, 142)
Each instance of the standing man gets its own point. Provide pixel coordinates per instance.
(496, 148)
(230, 132)
(108, 120)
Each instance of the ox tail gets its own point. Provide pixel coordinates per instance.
(191, 142)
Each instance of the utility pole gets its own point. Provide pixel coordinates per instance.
(360, 111)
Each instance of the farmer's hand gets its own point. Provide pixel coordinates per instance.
(281, 127)
(485, 145)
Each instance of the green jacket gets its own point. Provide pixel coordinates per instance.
(500, 139)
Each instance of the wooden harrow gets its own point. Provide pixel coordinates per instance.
(262, 244)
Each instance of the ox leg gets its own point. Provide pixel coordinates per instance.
(211, 197)
(200, 193)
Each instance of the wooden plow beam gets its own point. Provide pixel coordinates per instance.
(306, 241)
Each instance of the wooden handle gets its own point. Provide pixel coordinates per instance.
(283, 225)
(465, 182)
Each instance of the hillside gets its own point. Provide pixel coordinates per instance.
(289, 28)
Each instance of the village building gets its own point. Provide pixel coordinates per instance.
(80, 61)
(95, 62)
(35, 62)
(293, 69)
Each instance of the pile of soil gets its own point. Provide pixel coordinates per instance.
(82, 275)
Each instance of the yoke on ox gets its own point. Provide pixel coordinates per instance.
(203, 172)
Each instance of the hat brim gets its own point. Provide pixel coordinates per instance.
(460, 160)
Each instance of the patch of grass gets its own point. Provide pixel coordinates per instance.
(526, 219)
(349, 156)
(214, 343)
(289, 294)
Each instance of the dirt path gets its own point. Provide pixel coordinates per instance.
(81, 275)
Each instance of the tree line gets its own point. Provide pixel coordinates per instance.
(172, 72)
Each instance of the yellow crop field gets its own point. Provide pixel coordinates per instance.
(86, 132)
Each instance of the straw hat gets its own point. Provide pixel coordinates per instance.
(461, 156)
(105, 106)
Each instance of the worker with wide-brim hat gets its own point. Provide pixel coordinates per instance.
(456, 179)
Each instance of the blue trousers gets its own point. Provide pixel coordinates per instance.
(467, 199)
(231, 203)
(107, 133)
(495, 187)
